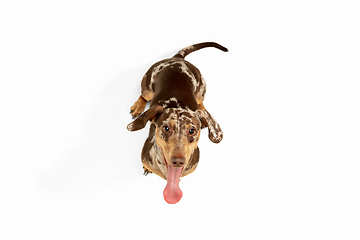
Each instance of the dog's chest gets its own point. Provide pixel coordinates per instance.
(157, 160)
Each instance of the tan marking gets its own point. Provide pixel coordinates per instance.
(148, 95)
(201, 106)
(138, 107)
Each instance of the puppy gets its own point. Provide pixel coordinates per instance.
(177, 114)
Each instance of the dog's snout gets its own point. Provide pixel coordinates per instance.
(177, 161)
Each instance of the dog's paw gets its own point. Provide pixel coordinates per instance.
(136, 110)
(146, 171)
(138, 107)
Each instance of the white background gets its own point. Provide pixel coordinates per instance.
(286, 96)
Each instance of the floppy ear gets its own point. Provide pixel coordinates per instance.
(215, 132)
(141, 121)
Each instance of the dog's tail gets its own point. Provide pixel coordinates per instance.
(185, 51)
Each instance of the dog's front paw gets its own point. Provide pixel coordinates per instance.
(138, 107)
(146, 171)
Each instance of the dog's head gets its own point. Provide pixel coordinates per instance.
(177, 134)
(178, 131)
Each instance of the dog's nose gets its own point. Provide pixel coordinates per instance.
(177, 161)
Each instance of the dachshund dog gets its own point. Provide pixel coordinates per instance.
(177, 114)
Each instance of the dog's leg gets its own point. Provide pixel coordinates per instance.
(138, 107)
(201, 106)
(200, 102)
(146, 95)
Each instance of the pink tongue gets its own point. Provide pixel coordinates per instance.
(172, 191)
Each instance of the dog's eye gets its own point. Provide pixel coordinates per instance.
(166, 129)
(192, 132)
